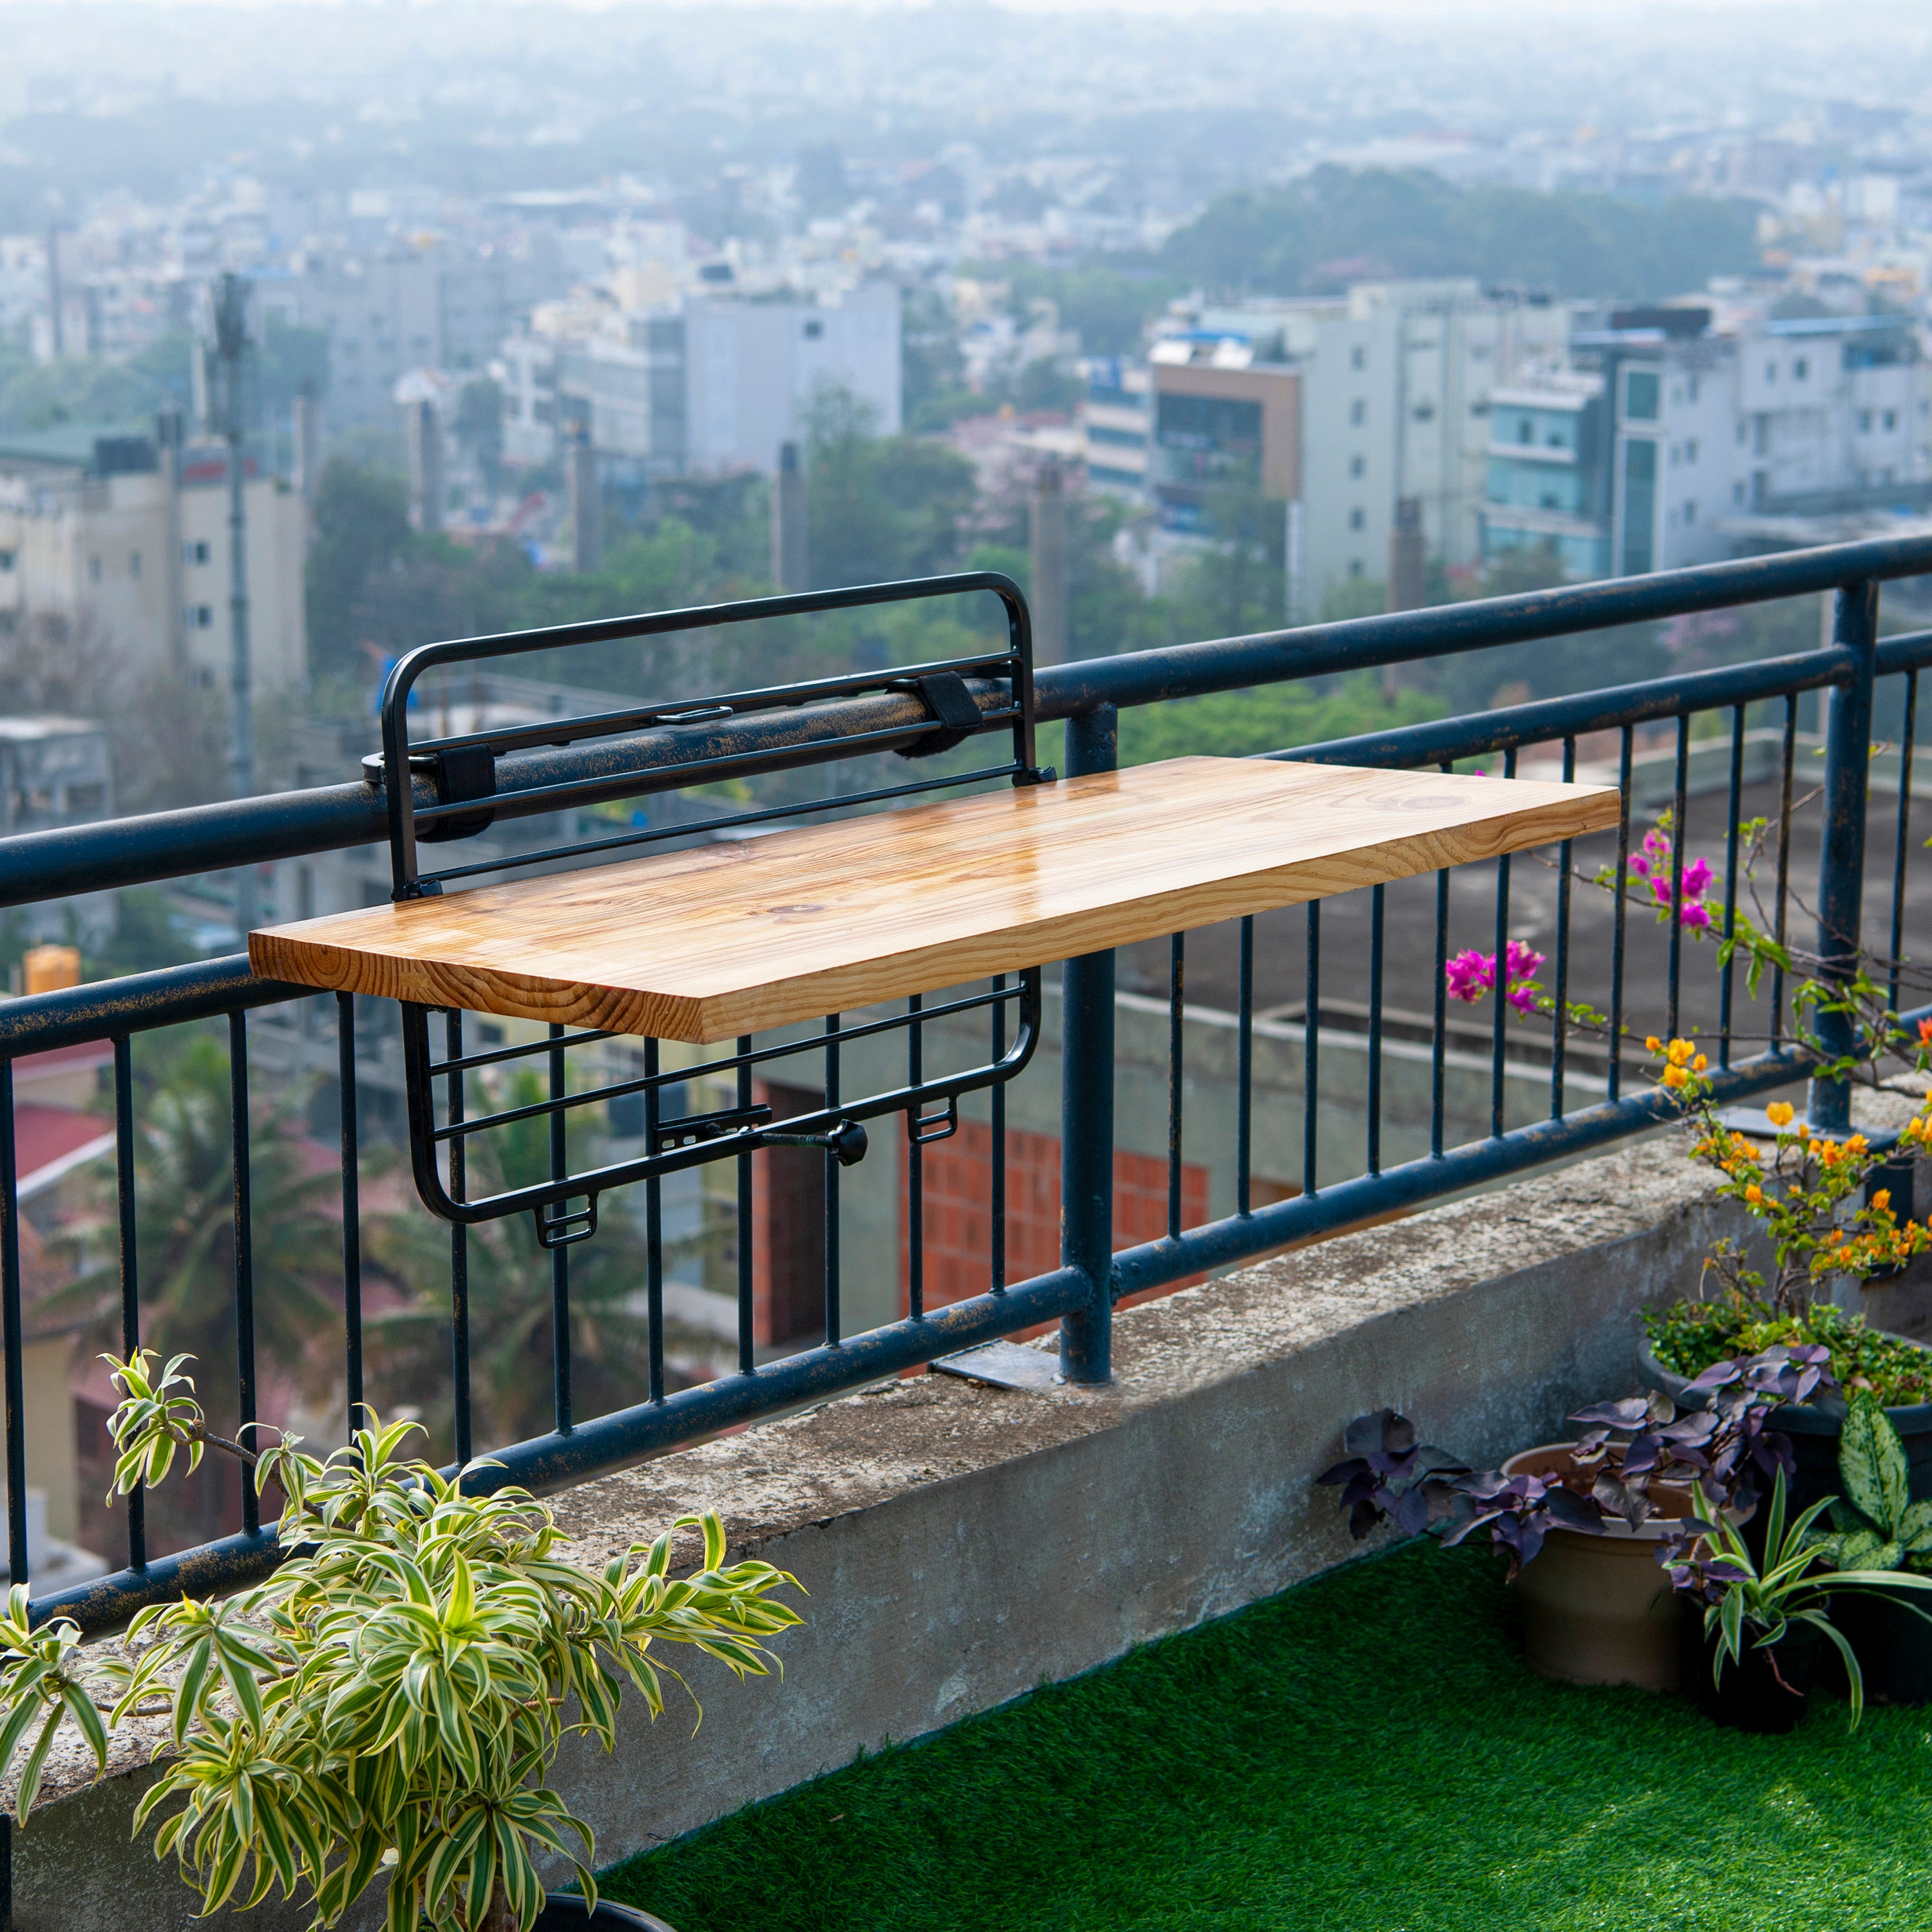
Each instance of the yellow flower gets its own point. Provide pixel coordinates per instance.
(1680, 1052)
(1856, 1144)
(1673, 1076)
(1779, 1113)
(1653, 1044)
(1698, 1065)
(1754, 1194)
(1803, 1130)
(1882, 1200)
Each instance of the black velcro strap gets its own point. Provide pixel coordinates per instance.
(469, 772)
(949, 700)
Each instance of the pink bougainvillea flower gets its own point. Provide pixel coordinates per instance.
(1471, 974)
(1696, 878)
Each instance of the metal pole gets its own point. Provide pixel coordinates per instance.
(1086, 1106)
(1841, 863)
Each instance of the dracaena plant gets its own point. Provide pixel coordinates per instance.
(389, 1703)
(1876, 1525)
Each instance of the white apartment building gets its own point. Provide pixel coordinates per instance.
(1692, 445)
(716, 384)
(1395, 379)
(107, 527)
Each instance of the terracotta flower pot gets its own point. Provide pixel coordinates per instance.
(1599, 1610)
(563, 1912)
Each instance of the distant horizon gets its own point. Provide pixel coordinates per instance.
(1664, 12)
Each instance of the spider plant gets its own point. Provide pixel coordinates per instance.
(1762, 1602)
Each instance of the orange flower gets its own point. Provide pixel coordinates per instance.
(1882, 1200)
(1673, 1076)
(1653, 1045)
(1754, 1194)
(1698, 1065)
(1779, 1113)
(1925, 1033)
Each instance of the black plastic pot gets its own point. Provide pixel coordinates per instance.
(1892, 1643)
(563, 1912)
(1814, 1428)
(1764, 1692)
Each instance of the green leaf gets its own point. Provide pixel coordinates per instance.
(1871, 1461)
(1915, 1527)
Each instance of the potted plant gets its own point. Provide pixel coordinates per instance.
(1582, 1523)
(1764, 1615)
(388, 1703)
(1810, 1194)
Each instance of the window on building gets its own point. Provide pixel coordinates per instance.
(1356, 465)
(1641, 388)
(1354, 566)
(1864, 422)
(813, 330)
(1358, 357)
(1358, 412)
(1639, 505)
(93, 570)
(194, 553)
(1801, 368)
(1889, 420)
(134, 563)
(1690, 451)
(1357, 519)
(6, 560)
(1690, 509)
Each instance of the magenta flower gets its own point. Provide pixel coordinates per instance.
(1696, 878)
(1471, 974)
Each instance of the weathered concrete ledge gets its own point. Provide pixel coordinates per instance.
(962, 1544)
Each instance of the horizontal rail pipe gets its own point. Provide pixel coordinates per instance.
(213, 838)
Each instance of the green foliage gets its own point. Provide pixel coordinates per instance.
(1316, 235)
(361, 530)
(1690, 1336)
(390, 1701)
(1109, 307)
(880, 507)
(1270, 718)
(1877, 1524)
(84, 389)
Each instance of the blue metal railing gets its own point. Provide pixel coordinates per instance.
(1081, 1292)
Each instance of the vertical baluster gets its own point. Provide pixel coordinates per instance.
(1902, 839)
(1559, 1018)
(559, 1257)
(130, 1284)
(352, 1209)
(1177, 981)
(1499, 1000)
(747, 1345)
(653, 1228)
(915, 1168)
(1614, 1068)
(996, 1181)
(833, 1316)
(1311, 1046)
(1087, 1107)
(10, 1336)
(1244, 1077)
(1841, 859)
(459, 1251)
(244, 1256)
(1439, 1039)
(1783, 866)
(1375, 918)
(1677, 831)
(1736, 795)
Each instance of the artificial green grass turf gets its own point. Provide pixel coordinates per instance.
(1367, 1753)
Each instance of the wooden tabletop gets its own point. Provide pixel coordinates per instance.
(732, 938)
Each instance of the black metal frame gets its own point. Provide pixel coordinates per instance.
(1082, 1290)
(463, 769)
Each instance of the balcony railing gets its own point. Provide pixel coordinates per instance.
(1471, 1130)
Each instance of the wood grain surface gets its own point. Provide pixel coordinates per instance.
(720, 940)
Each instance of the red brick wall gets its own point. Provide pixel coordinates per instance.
(958, 1212)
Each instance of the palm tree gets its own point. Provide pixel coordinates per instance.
(511, 1354)
(185, 1239)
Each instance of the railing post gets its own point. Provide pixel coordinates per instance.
(1086, 1105)
(1841, 863)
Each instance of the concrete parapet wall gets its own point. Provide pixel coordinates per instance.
(962, 1544)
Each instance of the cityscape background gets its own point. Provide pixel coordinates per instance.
(1196, 322)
